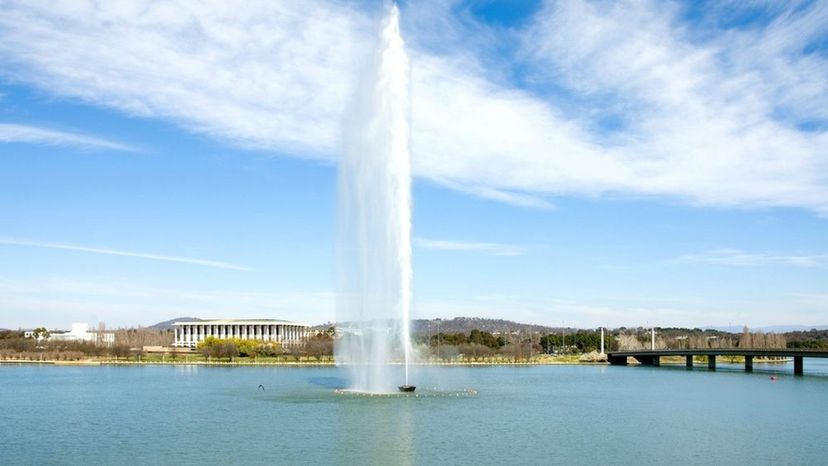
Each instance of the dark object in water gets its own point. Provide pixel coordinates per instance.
(261, 387)
(407, 388)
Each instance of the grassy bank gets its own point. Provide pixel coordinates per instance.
(197, 359)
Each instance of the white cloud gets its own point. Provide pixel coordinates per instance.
(258, 74)
(495, 249)
(738, 258)
(711, 120)
(699, 117)
(10, 132)
(123, 253)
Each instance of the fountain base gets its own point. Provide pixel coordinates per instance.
(407, 388)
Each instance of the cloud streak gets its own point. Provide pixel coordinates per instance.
(123, 253)
(10, 132)
(494, 249)
(738, 258)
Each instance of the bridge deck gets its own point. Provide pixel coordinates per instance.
(653, 357)
(723, 352)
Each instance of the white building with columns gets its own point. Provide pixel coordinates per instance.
(188, 334)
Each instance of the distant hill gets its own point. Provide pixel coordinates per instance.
(168, 324)
(466, 325)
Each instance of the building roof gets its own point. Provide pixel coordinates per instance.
(241, 322)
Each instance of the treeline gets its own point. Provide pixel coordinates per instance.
(578, 342)
(317, 346)
(143, 336)
(641, 338)
(477, 345)
(131, 344)
(474, 337)
(808, 339)
(15, 346)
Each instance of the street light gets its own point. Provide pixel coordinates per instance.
(438, 339)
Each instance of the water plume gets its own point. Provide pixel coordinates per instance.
(374, 221)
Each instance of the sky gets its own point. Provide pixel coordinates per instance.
(577, 163)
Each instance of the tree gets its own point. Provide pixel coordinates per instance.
(101, 333)
(295, 351)
(228, 349)
(628, 342)
(40, 333)
(320, 345)
(447, 352)
(745, 341)
(120, 351)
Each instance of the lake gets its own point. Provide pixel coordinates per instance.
(519, 415)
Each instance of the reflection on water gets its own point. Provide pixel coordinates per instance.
(434, 392)
(376, 430)
(334, 383)
(186, 370)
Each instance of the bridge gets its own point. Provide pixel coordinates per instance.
(653, 357)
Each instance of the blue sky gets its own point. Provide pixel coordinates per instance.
(585, 163)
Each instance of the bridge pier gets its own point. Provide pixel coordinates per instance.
(617, 360)
(689, 361)
(798, 365)
(748, 363)
(649, 360)
(711, 362)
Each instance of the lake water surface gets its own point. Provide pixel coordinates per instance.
(520, 415)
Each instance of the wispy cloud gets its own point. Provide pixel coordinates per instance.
(124, 253)
(10, 132)
(590, 313)
(495, 249)
(509, 197)
(58, 302)
(644, 102)
(738, 258)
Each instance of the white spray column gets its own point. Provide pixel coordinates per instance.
(374, 220)
(652, 338)
(602, 340)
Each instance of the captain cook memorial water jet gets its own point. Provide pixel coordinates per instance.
(374, 222)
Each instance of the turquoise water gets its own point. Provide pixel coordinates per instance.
(520, 415)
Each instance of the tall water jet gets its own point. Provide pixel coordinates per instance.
(374, 221)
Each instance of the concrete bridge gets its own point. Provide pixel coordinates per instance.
(653, 357)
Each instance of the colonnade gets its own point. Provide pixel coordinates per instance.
(189, 334)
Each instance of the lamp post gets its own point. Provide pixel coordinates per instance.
(438, 339)
(563, 337)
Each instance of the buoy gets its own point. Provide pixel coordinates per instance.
(261, 387)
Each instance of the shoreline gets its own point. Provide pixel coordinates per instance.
(281, 363)
(544, 362)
